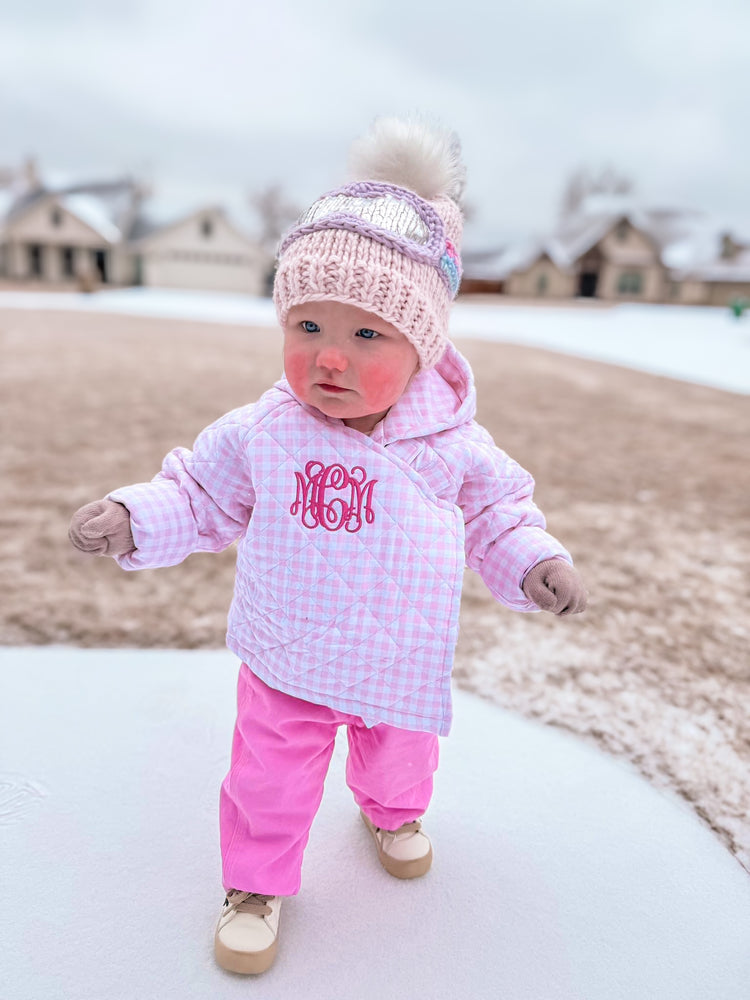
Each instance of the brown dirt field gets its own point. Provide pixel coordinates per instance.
(645, 479)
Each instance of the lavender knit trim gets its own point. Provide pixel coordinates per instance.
(433, 252)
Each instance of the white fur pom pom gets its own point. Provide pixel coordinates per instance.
(411, 153)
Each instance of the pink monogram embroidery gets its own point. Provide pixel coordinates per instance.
(317, 499)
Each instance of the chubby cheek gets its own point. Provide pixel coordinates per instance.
(295, 368)
(381, 385)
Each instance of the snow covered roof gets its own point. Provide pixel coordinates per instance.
(112, 208)
(734, 269)
(686, 242)
(146, 226)
(108, 207)
(92, 211)
(495, 265)
(7, 197)
(576, 235)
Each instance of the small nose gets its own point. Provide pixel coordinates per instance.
(332, 357)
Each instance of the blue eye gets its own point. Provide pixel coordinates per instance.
(367, 334)
(309, 327)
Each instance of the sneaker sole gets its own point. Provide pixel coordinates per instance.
(247, 963)
(399, 869)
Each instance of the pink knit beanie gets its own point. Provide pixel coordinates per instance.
(389, 242)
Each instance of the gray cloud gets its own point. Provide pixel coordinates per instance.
(228, 97)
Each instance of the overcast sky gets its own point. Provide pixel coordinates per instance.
(211, 101)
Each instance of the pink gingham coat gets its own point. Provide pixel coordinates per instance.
(351, 547)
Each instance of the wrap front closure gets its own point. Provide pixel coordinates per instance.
(349, 576)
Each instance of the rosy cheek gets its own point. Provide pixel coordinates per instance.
(379, 381)
(295, 367)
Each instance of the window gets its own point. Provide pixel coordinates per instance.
(541, 284)
(621, 233)
(207, 228)
(67, 262)
(630, 283)
(55, 217)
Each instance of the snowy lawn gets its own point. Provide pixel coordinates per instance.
(704, 345)
(596, 889)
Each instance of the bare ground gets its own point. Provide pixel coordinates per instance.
(645, 479)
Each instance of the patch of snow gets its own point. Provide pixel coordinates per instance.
(704, 345)
(559, 873)
(166, 303)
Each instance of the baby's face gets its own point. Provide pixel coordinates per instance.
(347, 362)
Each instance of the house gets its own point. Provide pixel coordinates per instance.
(98, 233)
(203, 249)
(60, 236)
(718, 279)
(483, 272)
(614, 251)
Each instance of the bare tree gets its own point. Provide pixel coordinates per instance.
(275, 214)
(583, 182)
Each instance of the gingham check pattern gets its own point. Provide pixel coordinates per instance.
(365, 621)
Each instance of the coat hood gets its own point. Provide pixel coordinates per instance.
(436, 400)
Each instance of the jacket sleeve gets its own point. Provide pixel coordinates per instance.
(505, 530)
(200, 501)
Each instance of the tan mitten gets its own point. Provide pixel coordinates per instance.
(554, 585)
(102, 528)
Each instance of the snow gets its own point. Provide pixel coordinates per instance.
(166, 303)
(695, 344)
(91, 210)
(7, 197)
(559, 873)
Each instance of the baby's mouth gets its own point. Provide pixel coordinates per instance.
(329, 387)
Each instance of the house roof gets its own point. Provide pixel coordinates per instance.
(107, 207)
(145, 227)
(496, 265)
(687, 243)
(113, 209)
(92, 211)
(736, 269)
(7, 197)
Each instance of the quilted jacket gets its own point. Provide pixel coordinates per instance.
(351, 547)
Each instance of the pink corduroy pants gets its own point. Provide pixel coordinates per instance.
(281, 750)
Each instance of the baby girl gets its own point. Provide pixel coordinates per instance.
(358, 487)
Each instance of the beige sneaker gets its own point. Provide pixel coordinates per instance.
(247, 932)
(406, 852)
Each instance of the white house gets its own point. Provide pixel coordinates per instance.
(60, 236)
(201, 250)
(98, 233)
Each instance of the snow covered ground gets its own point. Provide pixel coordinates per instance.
(704, 345)
(559, 873)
